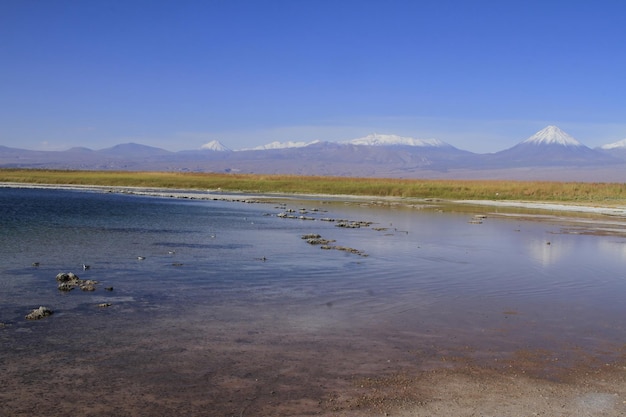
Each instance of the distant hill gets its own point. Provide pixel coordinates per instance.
(549, 154)
(134, 149)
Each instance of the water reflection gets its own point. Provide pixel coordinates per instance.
(548, 252)
(613, 248)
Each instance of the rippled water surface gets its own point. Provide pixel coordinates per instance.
(224, 287)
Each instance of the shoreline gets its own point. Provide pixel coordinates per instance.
(604, 210)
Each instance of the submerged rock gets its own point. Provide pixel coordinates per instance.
(318, 241)
(344, 249)
(66, 286)
(353, 224)
(350, 250)
(39, 313)
(311, 236)
(88, 285)
(286, 216)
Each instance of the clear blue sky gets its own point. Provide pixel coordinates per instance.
(480, 75)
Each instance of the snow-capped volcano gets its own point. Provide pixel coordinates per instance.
(549, 146)
(214, 145)
(552, 135)
(377, 139)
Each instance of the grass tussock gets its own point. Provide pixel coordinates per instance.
(573, 192)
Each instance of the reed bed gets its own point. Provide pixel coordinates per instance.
(572, 192)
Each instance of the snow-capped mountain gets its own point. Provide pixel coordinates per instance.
(281, 145)
(552, 135)
(214, 145)
(376, 139)
(549, 146)
(615, 149)
(621, 144)
(544, 155)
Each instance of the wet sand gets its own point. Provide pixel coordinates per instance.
(271, 364)
(200, 367)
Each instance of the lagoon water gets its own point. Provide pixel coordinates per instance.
(230, 304)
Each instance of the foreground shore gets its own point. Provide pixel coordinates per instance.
(294, 377)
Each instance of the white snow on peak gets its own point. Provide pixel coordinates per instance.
(214, 145)
(552, 135)
(615, 145)
(377, 139)
(281, 145)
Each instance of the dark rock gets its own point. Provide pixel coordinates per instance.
(311, 236)
(68, 281)
(66, 277)
(318, 241)
(39, 313)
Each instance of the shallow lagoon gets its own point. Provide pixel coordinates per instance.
(231, 312)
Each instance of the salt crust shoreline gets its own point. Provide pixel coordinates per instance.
(618, 211)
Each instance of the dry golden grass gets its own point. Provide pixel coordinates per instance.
(573, 192)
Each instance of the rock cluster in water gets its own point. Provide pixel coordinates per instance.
(352, 224)
(68, 281)
(315, 239)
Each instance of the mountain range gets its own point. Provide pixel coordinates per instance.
(550, 154)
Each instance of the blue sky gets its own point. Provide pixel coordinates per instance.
(480, 75)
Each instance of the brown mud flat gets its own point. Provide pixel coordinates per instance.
(199, 367)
